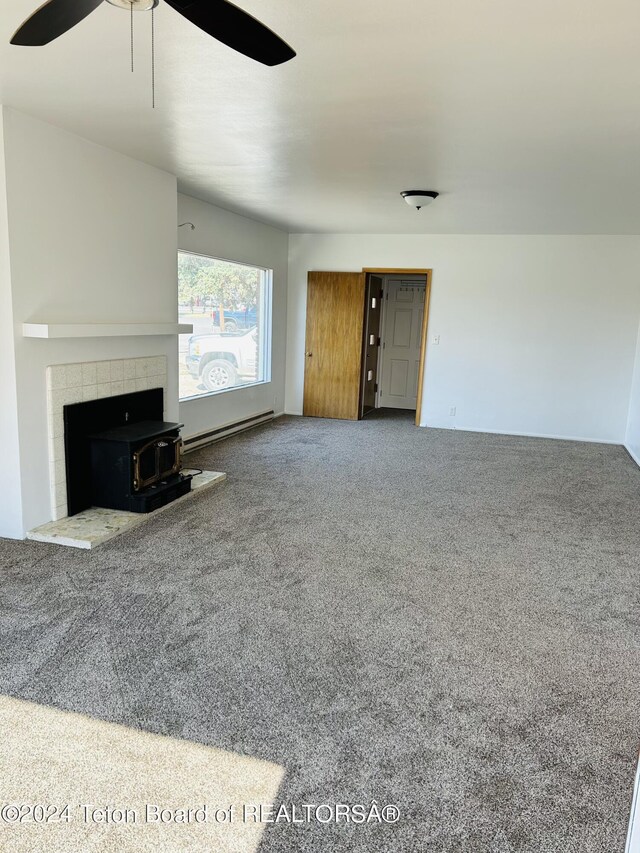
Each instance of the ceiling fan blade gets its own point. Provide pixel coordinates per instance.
(235, 28)
(52, 20)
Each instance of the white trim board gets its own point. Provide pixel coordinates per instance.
(633, 836)
(634, 456)
(527, 434)
(297, 414)
(102, 330)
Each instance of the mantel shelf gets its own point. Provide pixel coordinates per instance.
(103, 330)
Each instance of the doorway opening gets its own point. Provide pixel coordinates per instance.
(396, 320)
(365, 342)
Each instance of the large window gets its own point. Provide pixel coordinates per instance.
(229, 306)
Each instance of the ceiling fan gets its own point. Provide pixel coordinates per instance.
(219, 18)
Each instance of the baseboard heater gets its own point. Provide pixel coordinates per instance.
(203, 438)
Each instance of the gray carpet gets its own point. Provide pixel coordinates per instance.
(441, 620)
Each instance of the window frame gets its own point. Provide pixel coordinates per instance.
(267, 310)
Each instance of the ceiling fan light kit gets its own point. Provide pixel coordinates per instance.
(135, 5)
(419, 198)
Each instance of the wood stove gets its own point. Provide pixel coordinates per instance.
(136, 467)
(121, 454)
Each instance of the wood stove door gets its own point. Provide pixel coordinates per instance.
(158, 459)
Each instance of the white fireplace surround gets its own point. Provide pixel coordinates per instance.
(90, 380)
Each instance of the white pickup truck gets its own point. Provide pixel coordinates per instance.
(223, 360)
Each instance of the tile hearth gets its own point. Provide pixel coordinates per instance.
(94, 526)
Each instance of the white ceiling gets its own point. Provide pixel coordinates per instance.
(524, 115)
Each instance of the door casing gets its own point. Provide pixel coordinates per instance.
(371, 344)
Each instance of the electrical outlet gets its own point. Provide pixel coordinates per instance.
(452, 411)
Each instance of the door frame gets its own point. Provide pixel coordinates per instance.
(365, 343)
(425, 323)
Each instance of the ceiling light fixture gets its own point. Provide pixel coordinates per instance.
(419, 198)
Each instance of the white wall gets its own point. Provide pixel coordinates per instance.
(538, 333)
(10, 494)
(632, 438)
(92, 239)
(222, 234)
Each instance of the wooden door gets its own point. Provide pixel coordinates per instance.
(333, 353)
(373, 305)
(402, 336)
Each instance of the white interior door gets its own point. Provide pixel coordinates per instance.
(401, 340)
